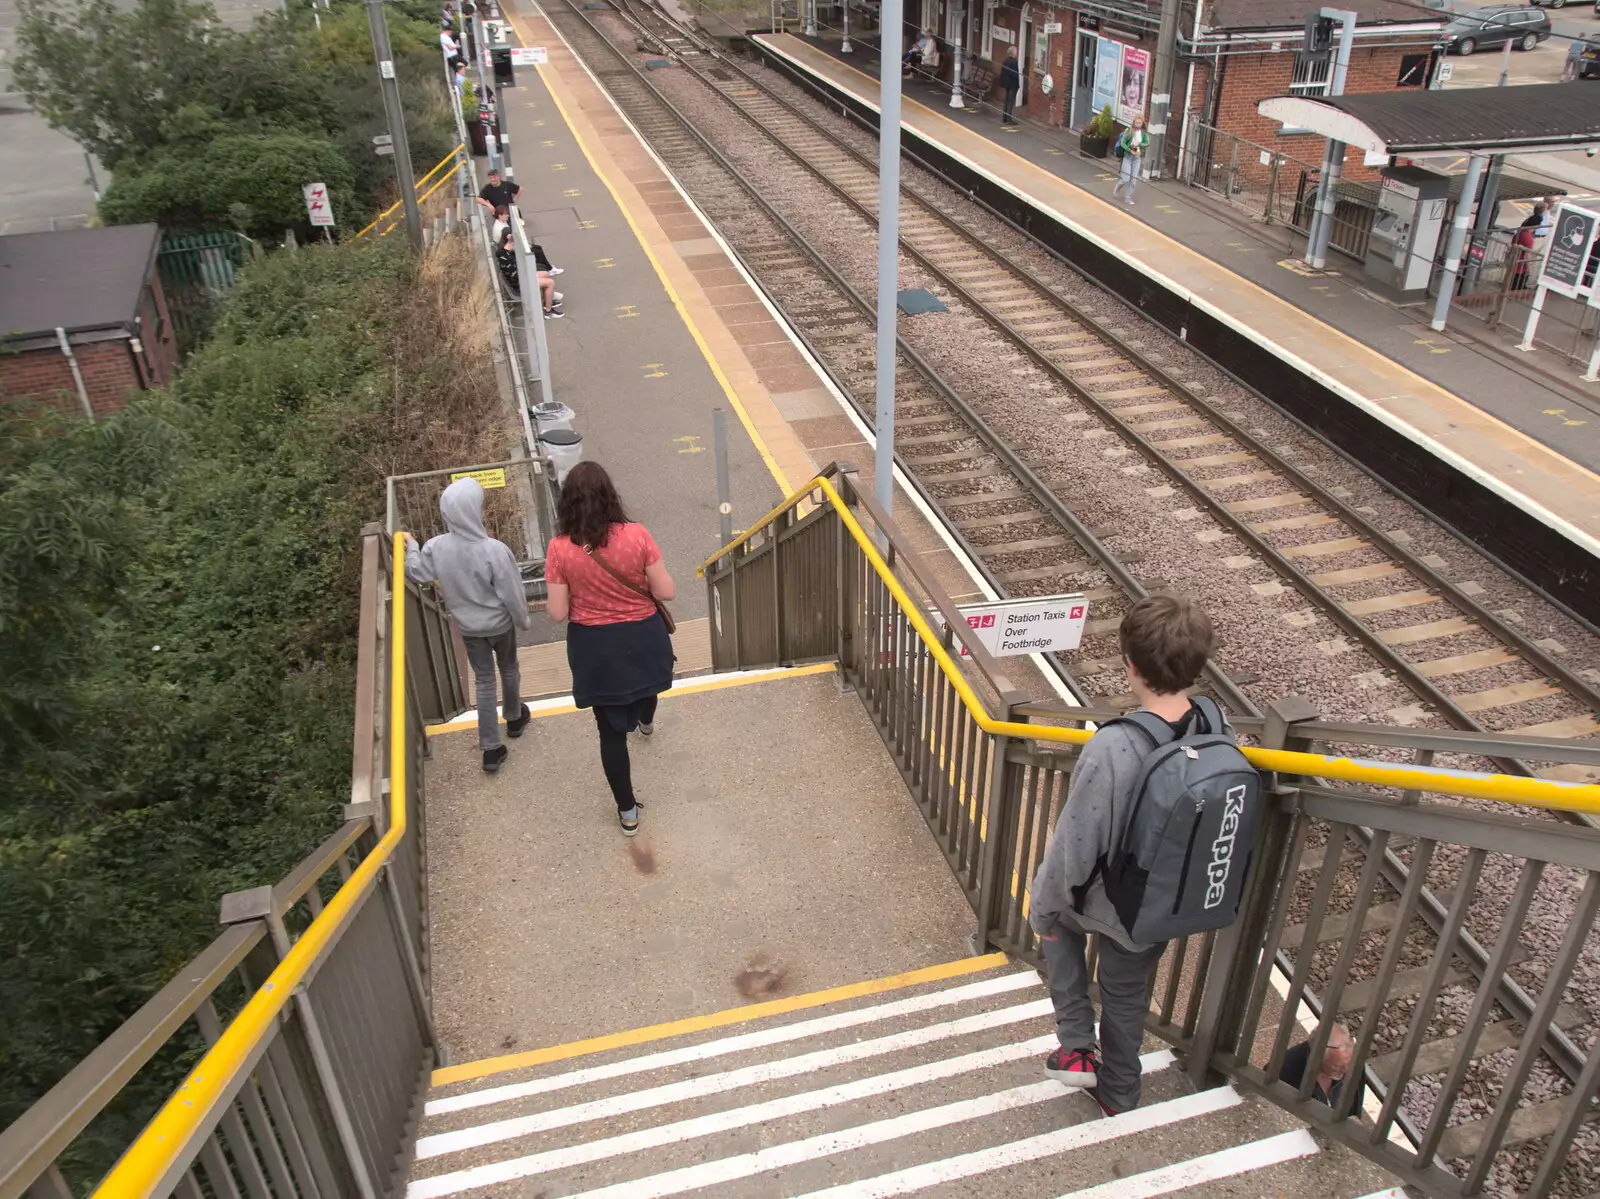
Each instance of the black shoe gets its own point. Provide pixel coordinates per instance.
(647, 728)
(514, 727)
(631, 828)
(493, 757)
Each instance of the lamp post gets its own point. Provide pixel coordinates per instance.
(888, 246)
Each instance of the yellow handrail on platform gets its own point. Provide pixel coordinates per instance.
(450, 157)
(142, 1169)
(1529, 792)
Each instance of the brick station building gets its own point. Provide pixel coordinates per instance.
(83, 320)
(1231, 54)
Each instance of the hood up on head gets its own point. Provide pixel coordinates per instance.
(461, 505)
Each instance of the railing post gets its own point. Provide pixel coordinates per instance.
(778, 526)
(1238, 947)
(257, 904)
(849, 608)
(1002, 808)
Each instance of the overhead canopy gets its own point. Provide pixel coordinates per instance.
(1431, 123)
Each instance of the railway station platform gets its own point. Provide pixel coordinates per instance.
(811, 973)
(1460, 430)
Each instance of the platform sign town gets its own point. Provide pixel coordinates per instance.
(529, 56)
(1042, 624)
(319, 210)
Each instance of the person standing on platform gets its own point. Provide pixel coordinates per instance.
(482, 587)
(1165, 642)
(1130, 148)
(497, 195)
(1010, 84)
(606, 579)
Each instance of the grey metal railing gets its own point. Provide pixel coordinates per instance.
(1374, 907)
(321, 1105)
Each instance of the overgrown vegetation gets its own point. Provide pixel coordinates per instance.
(178, 589)
(204, 127)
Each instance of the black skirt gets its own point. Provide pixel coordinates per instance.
(617, 665)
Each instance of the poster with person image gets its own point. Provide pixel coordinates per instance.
(1107, 73)
(1135, 80)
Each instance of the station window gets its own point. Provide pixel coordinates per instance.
(1311, 76)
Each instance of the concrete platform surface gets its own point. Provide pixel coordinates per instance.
(780, 853)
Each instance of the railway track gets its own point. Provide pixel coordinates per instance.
(987, 490)
(1362, 578)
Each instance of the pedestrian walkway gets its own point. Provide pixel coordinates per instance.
(1539, 392)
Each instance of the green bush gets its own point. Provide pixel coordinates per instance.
(178, 606)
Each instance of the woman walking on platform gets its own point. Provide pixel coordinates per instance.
(606, 578)
(1130, 148)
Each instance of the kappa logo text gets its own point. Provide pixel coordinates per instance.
(1222, 847)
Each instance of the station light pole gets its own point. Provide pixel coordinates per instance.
(844, 46)
(888, 243)
(1166, 67)
(1333, 158)
(1458, 235)
(396, 116)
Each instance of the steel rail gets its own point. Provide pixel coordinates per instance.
(1418, 683)
(1513, 997)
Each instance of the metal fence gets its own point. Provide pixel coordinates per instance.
(1274, 187)
(1365, 904)
(313, 1000)
(1496, 285)
(518, 503)
(197, 270)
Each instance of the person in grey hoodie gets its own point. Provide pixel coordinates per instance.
(1165, 641)
(483, 590)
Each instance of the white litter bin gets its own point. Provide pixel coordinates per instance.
(554, 415)
(564, 448)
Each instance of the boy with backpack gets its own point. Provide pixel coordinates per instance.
(1153, 842)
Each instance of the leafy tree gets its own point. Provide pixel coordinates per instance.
(251, 180)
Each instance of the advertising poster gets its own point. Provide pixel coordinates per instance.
(1107, 74)
(1133, 87)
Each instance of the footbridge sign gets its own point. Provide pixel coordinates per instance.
(1041, 624)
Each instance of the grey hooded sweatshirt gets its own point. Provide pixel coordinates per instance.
(478, 575)
(1099, 802)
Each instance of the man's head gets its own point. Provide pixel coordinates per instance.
(1340, 1052)
(494, 175)
(1165, 641)
(1011, 51)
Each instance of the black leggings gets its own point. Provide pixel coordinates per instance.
(614, 753)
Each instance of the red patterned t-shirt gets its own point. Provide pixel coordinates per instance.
(597, 598)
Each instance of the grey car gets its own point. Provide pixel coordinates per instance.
(1523, 25)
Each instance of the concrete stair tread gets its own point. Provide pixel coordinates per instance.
(929, 1084)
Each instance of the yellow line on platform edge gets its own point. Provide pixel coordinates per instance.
(694, 688)
(661, 274)
(739, 1015)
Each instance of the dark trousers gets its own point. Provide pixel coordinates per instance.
(1010, 103)
(614, 752)
(1124, 981)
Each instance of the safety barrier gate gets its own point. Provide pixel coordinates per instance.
(1365, 903)
(312, 1086)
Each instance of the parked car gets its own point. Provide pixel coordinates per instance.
(1523, 25)
(1584, 56)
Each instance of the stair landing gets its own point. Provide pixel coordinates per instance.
(780, 854)
(929, 1084)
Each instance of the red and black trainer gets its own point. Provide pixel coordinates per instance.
(1075, 1067)
(1104, 1106)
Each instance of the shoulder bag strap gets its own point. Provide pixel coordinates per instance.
(672, 625)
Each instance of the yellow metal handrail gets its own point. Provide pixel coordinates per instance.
(1529, 792)
(150, 1159)
(420, 200)
(450, 157)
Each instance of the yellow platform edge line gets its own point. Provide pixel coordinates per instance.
(550, 78)
(699, 687)
(739, 1015)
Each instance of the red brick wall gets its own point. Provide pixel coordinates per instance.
(1249, 78)
(44, 374)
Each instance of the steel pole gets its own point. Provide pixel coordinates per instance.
(1328, 194)
(538, 350)
(1481, 223)
(844, 46)
(957, 100)
(1452, 251)
(1161, 81)
(891, 18)
(719, 430)
(395, 114)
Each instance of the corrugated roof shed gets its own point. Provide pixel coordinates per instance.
(75, 279)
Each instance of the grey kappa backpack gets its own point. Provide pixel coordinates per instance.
(1181, 865)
